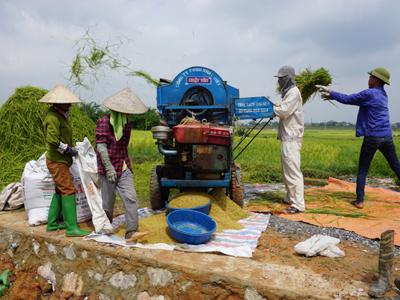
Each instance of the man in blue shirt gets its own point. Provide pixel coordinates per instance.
(372, 122)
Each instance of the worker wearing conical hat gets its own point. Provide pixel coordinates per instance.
(113, 133)
(59, 155)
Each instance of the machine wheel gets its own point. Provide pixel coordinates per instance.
(237, 191)
(158, 194)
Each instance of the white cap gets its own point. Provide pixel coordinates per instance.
(285, 71)
(125, 102)
(60, 95)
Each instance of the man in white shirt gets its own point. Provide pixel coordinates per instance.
(291, 130)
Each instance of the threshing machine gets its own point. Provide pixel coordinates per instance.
(198, 110)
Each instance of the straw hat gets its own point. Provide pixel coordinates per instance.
(125, 102)
(60, 95)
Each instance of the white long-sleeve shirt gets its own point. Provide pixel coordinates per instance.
(290, 113)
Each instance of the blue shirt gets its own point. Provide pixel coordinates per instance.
(373, 115)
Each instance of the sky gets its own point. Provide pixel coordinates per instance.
(245, 42)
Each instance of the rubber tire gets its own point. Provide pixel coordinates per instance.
(158, 195)
(236, 190)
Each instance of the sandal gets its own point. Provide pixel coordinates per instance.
(291, 210)
(358, 204)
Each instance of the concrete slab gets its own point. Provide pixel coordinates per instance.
(88, 267)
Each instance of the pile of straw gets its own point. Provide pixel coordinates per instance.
(21, 131)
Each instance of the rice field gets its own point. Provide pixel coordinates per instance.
(325, 153)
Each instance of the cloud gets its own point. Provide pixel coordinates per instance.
(245, 42)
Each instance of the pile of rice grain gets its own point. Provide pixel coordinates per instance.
(189, 200)
(224, 211)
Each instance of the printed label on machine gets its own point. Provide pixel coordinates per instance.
(198, 80)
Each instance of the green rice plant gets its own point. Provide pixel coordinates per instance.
(307, 79)
(146, 76)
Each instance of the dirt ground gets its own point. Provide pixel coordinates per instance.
(360, 263)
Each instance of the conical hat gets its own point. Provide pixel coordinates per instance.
(126, 102)
(60, 95)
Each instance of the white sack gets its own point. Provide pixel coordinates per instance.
(87, 166)
(38, 189)
(320, 244)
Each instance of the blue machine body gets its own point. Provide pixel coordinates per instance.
(223, 101)
(225, 97)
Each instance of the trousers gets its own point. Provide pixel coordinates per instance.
(368, 149)
(291, 173)
(125, 187)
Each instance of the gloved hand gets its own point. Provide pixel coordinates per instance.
(325, 91)
(71, 151)
(110, 171)
(323, 88)
(66, 149)
(111, 174)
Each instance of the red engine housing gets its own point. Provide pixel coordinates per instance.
(203, 134)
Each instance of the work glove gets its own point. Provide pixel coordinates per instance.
(111, 174)
(110, 171)
(71, 151)
(66, 149)
(325, 91)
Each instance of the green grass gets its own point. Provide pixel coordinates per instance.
(325, 153)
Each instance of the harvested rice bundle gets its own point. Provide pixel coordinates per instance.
(307, 79)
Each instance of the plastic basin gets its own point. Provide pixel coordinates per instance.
(205, 209)
(190, 226)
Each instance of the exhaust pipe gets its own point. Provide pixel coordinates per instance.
(166, 152)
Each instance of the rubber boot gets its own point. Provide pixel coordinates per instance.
(397, 283)
(386, 254)
(55, 214)
(4, 278)
(69, 213)
(3, 289)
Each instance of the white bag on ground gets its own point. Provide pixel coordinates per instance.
(11, 197)
(320, 244)
(38, 190)
(87, 166)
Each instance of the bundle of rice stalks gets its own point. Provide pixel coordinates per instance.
(307, 79)
(21, 131)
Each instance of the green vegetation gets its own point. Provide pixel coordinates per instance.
(145, 121)
(21, 131)
(325, 153)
